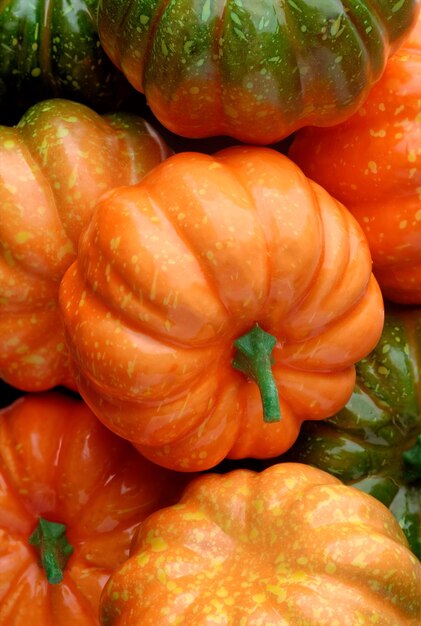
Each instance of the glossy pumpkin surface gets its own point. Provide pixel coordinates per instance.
(171, 272)
(57, 461)
(365, 445)
(54, 165)
(50, 48)
(288, 546)
(254, 70)
(372, 163)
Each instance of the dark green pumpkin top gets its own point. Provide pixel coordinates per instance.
(50, 48)
(374, 442)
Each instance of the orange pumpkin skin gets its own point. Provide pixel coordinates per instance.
(372, 163)
(53, 167)
(58, 461)
(288, 546)
(171, 271)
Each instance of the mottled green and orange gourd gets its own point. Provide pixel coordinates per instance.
(372, 163)
(290, 546)
(209, 276)
(71, 496)
(54, 165)
(255, 70)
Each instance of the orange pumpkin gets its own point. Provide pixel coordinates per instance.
(289, 546)
(71, 495)
(171, 272)
(54, 165)
(372, 163)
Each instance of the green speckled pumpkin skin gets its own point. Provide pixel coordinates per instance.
(50, 48)
(254, 70)
(363, 444)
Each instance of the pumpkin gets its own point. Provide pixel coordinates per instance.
(374, 443)
(51, 49)
(71, 495)
(216, 285)
(372, 163)
(254, 70)
(290, 545)
(53, 167)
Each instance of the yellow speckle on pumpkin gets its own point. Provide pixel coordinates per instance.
(33, 359)
(62, 131)
(162, 577)
(158, 544)
(222, 592)
(115, 242)
(194, 515)
(254, 533)
(359, 560)
(277, 591)
(143, 559)
(23, 236)
(259, 598)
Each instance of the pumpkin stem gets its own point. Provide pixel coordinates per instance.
(412, 459)
(253, 358)
(50, 541)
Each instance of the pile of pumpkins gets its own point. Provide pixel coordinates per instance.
(210, 322)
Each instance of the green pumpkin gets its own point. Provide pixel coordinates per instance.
(374, 443)
(50, 48)
(255, 70)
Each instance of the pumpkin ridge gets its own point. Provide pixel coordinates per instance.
(188, 244)
(414, 353)
(151, 36)
(32, 166)
(83, 603)
(46, 43)
(15, 582)
(12, 461)
(143, 299)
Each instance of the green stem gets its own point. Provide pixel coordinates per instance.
(50, 541)
(253, 358)
(412, 459)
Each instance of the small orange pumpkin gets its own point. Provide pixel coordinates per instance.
(71, 496)
(54, 165)
(206, 252)
(289, 546)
